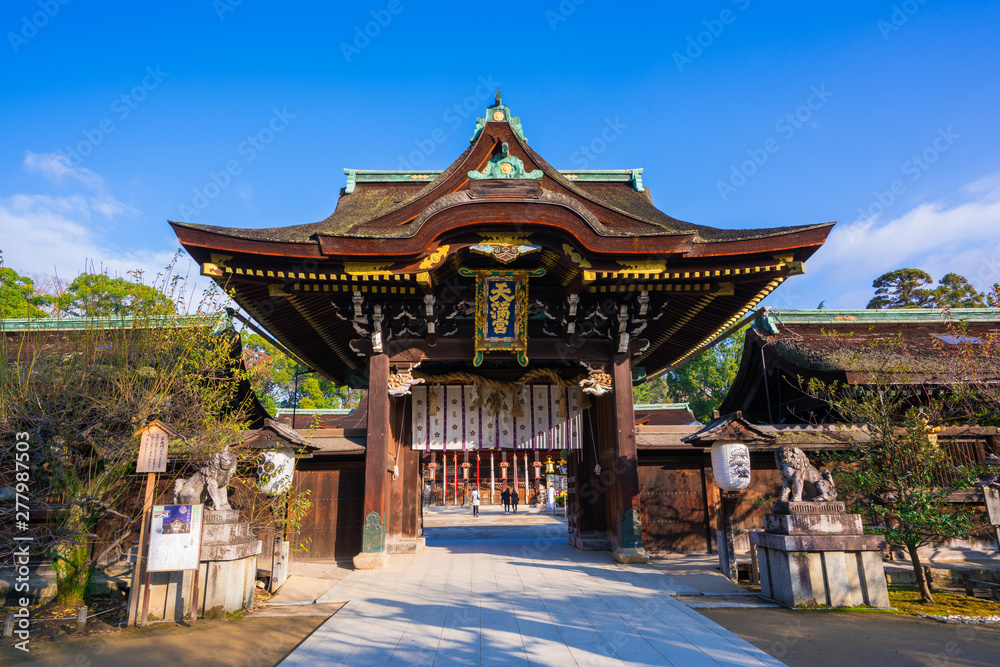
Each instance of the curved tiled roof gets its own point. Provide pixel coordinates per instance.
(365, 204)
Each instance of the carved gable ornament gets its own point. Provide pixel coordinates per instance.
(504, 253)
(502, 312)
(505, 165)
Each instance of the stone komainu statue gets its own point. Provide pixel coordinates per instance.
(210, 481)
(798, 476)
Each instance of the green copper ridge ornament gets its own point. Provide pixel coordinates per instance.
(498, 113)
(505, 165)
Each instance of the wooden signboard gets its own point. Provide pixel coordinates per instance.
(152, 459)
(153, 449)
(501, 312)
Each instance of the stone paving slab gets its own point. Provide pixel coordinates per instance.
(301, 590)
(749, 601)
(288, 610)
(516, 602)
(710, 583)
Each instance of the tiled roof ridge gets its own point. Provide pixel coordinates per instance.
(371, 195)
(770, 320)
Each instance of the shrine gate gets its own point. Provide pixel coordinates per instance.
(499, 306)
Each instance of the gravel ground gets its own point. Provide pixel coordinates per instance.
(816, 638)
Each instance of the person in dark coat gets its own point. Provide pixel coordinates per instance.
(505, 497)
(513, 500)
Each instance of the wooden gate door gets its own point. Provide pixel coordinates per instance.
(673, 509)
(332, 527)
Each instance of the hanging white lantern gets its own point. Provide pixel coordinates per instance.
(731, 465)
(274, 474)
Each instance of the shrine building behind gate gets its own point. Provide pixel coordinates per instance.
(498, 306)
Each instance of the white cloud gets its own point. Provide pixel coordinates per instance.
(47, 234)
(61, 234)
(57, 168)
(939, 237)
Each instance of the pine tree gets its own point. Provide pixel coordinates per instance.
(903, 288)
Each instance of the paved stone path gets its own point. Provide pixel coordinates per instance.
(515, 602)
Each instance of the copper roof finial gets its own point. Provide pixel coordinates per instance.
(498, 96)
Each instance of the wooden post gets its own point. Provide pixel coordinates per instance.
(727, 549)
(412, 490)
(629, 529)
(8, 625)
(538, 480)
(492, 479)
(194, 592)
(81, 620)
(197, 571)
(433, 467)
(140, 558)
(373, 553)
(527, 495)
(465, 476)
(145, 602)
(515, 476)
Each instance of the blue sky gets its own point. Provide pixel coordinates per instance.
(879, 115)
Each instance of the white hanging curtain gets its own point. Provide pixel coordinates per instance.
(445, 418)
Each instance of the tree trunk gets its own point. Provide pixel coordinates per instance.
(72, 562)
(72, 566)
(918, 570)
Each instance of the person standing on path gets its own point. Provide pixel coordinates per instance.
(505, 498)
(475, 501)
(552, 499)
(513, 500)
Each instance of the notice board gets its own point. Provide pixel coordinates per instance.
(175, 538)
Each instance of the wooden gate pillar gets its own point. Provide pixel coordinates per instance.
(585, 501)
(629, 547)
(373, 554)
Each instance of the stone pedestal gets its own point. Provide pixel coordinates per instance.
(226, 578)
(370, 560)
(229, 564)
(815, 553)
(410, 546)
(590, 542)
(631, 556)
